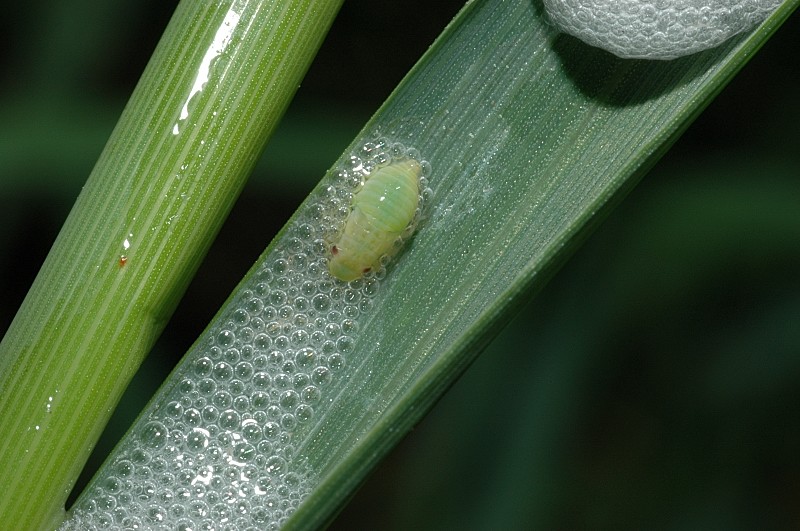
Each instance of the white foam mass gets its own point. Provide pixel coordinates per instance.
(657, 29)
(222, 445)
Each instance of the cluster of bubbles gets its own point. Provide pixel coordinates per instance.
(218, 448)
(657, 29)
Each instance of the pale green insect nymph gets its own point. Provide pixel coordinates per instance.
(381, 212)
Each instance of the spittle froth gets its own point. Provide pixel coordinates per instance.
(222, 449)
(657, 29)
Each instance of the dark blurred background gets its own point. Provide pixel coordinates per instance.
(654, 383)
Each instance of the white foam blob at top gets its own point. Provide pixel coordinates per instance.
(657, 29)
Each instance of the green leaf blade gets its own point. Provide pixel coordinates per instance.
(183, 148)
(532, 136)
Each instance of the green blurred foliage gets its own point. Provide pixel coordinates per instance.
(652, 384)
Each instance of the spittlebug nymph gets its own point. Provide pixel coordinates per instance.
(381, 211)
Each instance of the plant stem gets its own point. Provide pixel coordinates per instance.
(212, 93)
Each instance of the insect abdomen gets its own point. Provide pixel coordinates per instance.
(381, 212)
